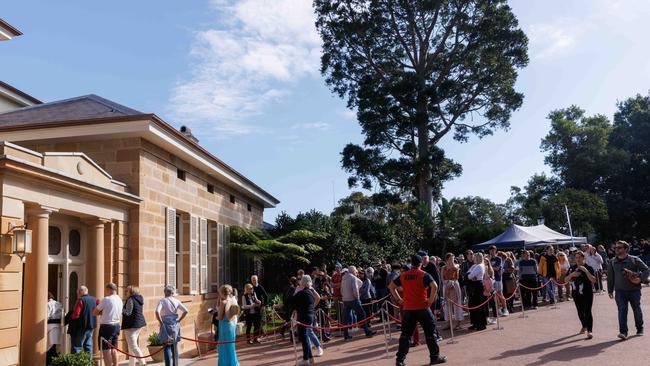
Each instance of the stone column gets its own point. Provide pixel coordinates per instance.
(34, 322)
(95, 267)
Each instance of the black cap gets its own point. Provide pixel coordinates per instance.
(416, 260)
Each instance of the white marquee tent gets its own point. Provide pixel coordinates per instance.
(529, 236)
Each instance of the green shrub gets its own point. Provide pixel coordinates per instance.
(77, 359)
(242, 235)
(154, 340)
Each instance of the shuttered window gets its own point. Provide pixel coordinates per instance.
(213, 253)
(194, 254)
(224, 254)
(203, 256)
(171, 246)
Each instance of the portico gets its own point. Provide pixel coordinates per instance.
(77, 214)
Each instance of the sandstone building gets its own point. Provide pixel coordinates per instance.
(111, 194)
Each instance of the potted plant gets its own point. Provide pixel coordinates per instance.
(154, 346)
(77, 359)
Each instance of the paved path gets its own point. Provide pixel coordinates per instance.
(546, 337)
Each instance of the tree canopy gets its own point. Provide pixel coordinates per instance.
(417, 71)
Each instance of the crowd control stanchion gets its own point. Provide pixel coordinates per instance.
(295, 335)
(321, 322)
(384, 325)
(521, 297)
(390, 330)
(496, 306)
(451, 323)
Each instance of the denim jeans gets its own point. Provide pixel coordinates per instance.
(634, 299)
(311, 337)
(82, 340)
(171, 354)
(350, 307)
(303, 335)
(550, 288)
(410, 319)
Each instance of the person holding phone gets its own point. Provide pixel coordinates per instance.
(582, 277)
(624, 276)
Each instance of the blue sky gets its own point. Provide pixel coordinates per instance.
(244, 76)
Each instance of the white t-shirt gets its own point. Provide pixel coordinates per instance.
(111, 307)
(169, 306)
(476, 272)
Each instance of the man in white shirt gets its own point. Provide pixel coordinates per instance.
(110, 310)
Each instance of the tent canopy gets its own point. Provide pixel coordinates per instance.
(529, 236)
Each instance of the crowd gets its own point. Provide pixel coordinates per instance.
(441, 289)
(422, 290)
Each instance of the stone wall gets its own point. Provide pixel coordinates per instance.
(139, 257)
(11, 270)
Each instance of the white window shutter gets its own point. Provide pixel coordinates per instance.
(170, 231)
(203, 257)
(227, 260)
(221, 253)
(213, 254)
(194, 255)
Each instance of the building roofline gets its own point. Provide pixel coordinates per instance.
(13, 30)
(159, 122)
(19, 92)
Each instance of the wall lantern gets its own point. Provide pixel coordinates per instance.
(21, 243)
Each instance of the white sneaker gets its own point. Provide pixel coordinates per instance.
(504, 312)
(491, 321)
(319, 352)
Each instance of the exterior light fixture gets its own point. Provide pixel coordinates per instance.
(21, 243)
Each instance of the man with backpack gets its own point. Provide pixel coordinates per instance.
(624, 276)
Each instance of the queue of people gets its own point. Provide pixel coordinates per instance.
(423, 289)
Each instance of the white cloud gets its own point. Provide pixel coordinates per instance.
(552, 40)
(251, 58)
(559, 37)
(321, 126)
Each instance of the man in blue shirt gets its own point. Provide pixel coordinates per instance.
(497, 266)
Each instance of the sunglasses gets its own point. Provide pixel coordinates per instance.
(621, 248)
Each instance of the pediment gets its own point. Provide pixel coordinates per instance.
(78, 165)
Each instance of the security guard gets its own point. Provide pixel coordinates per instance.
(416, 308)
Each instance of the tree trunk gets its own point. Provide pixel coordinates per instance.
(425, 190)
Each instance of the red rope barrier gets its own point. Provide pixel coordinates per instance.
(474, 307)
(130, 355)
(236, 340)
(536, 288)
(376, 301)
(513, 294)
(343, 326)
(394, 319)
(560, 284)
(393, 305)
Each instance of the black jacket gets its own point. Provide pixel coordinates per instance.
(132, 316)
(261, 294)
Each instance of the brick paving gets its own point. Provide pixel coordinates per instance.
(546, 337)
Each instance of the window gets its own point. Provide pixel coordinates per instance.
(214, 230)
(232, 198)
(223, 240)
(179, 255)
(180, 174)
(54, 241)
(249, 207)
(72, 289)
(210, 188)
(75, 243)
